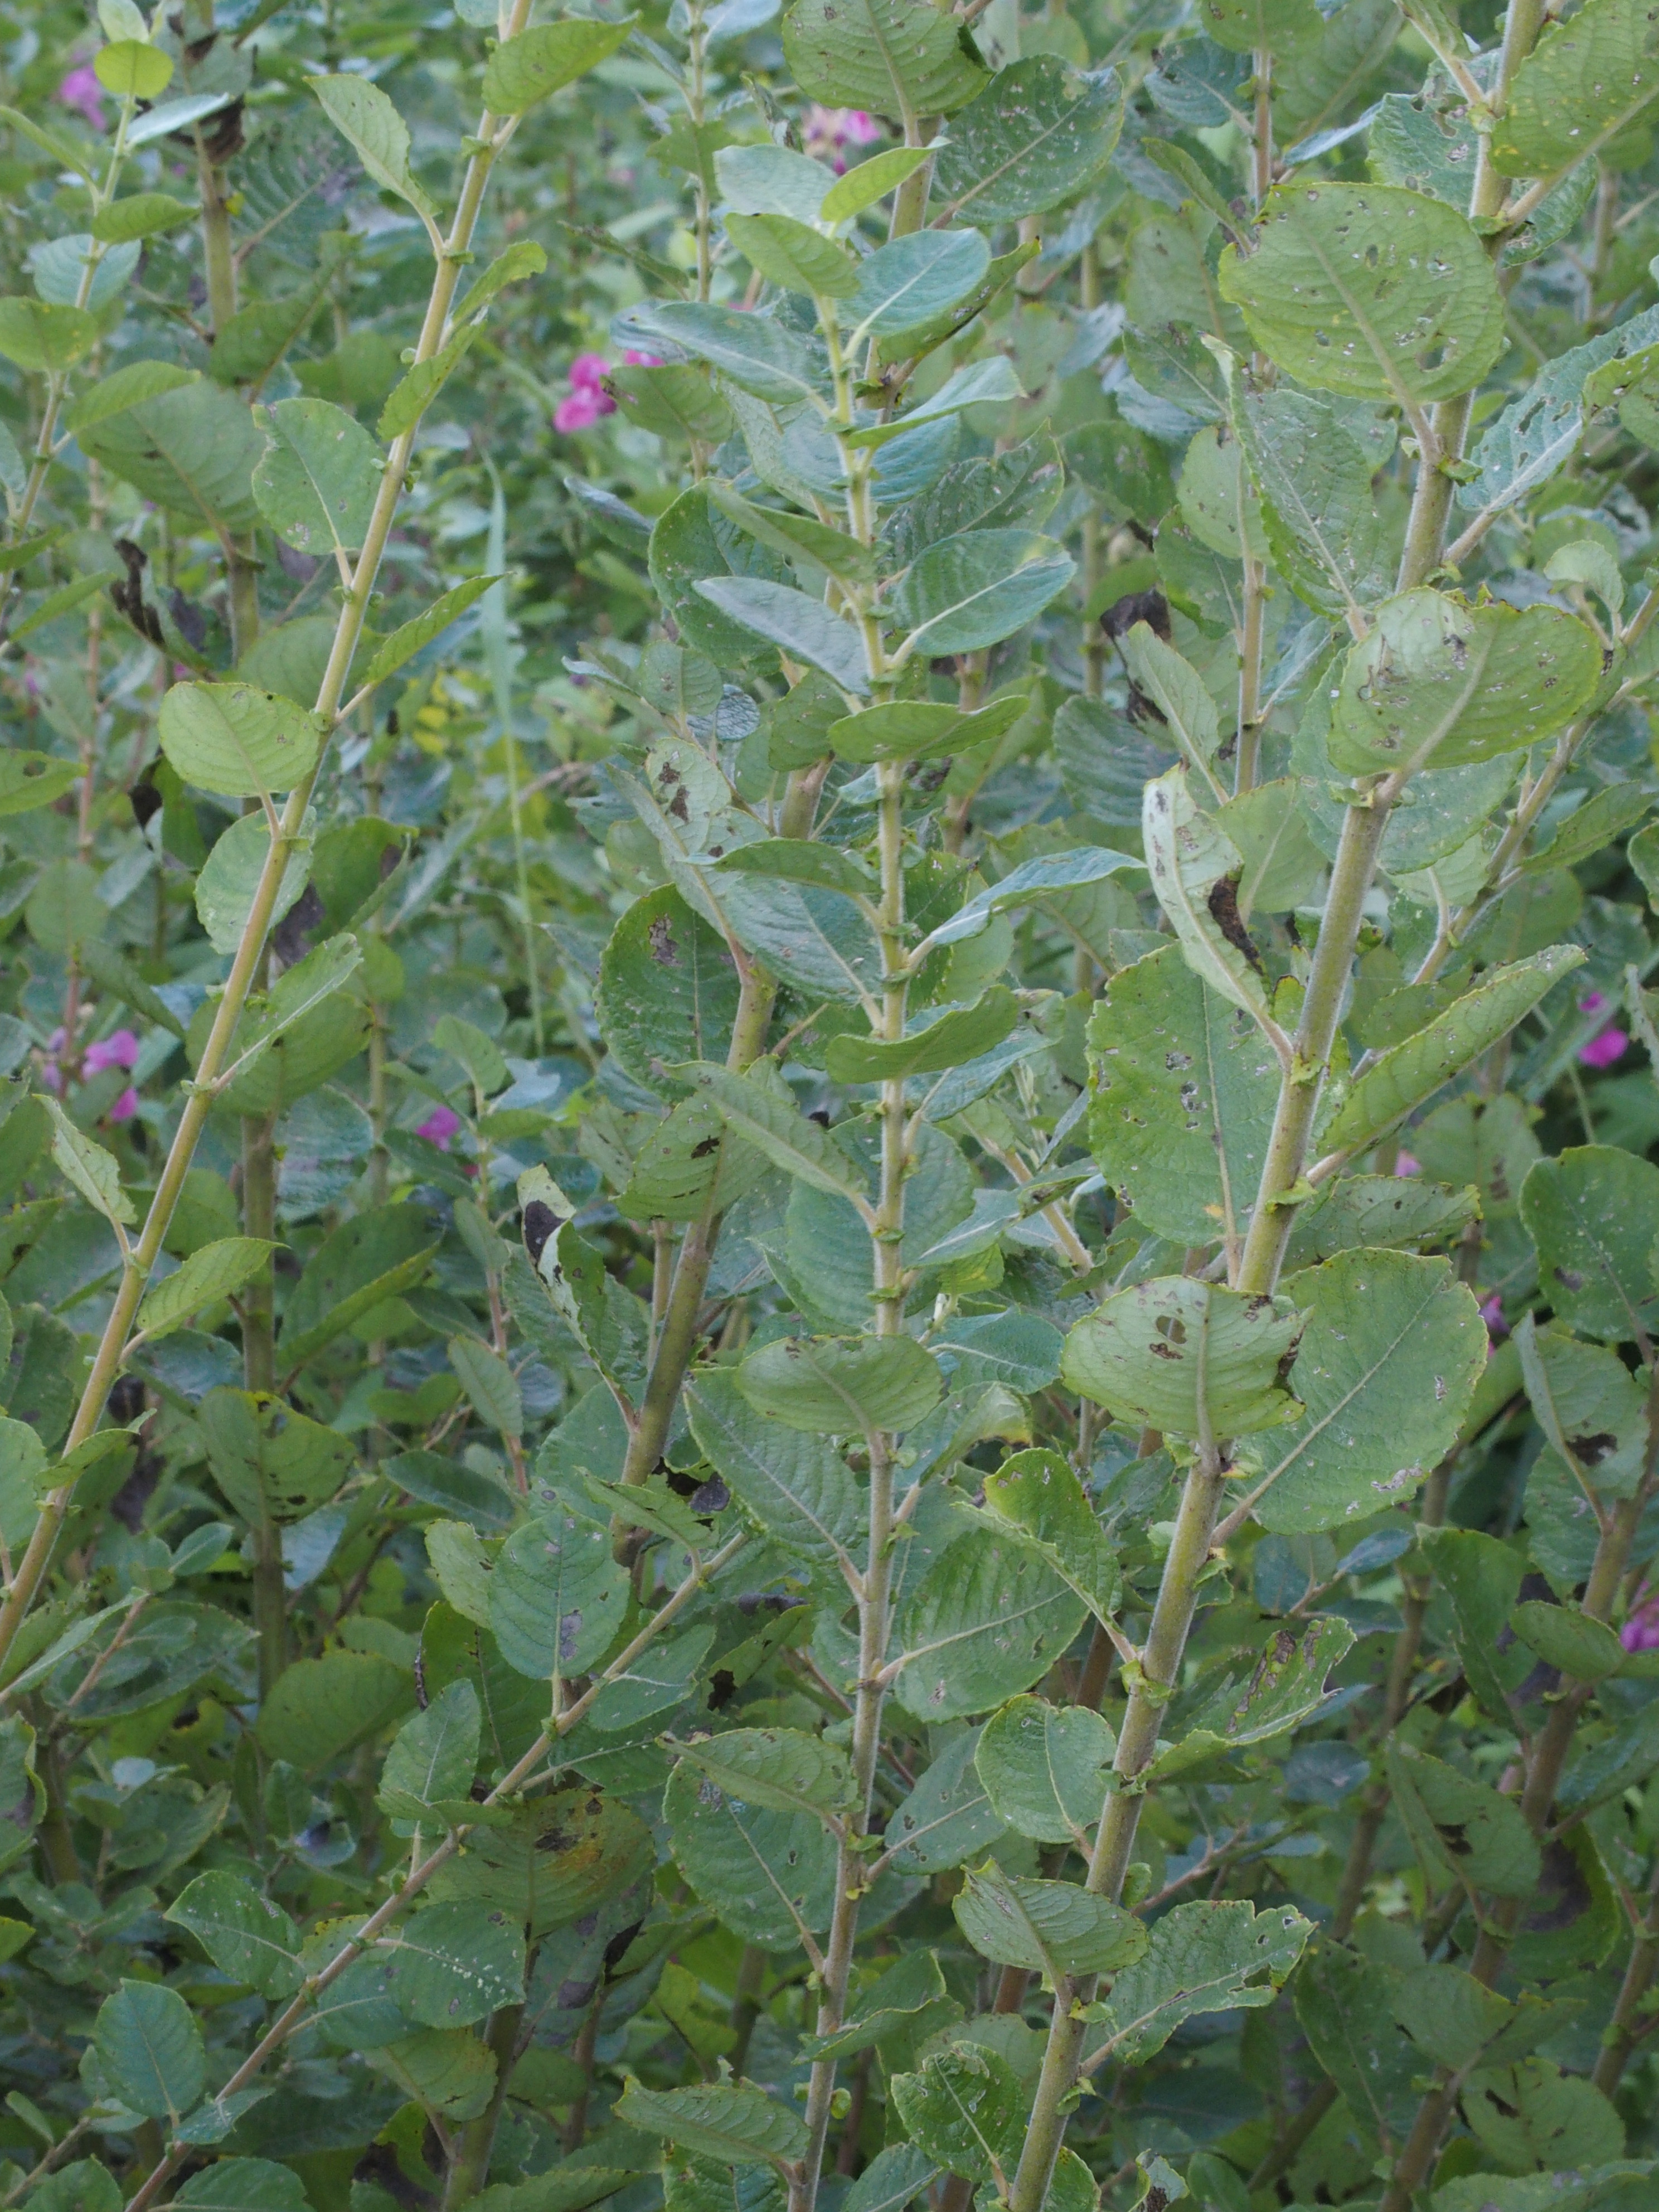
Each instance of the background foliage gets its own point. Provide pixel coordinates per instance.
(825, 1107)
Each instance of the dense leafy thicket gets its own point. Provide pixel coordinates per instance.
(829, 1261)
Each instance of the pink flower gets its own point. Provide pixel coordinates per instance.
(1603, 1050)
(827, 129)
(1492, 1314)
(81, 91)
(580, 412)
(124, 1107)
(118, 1049)
(439, 1127)
(1591, 1003)
(1406, 1164)
(588, 371)
(1641, 1631)
(642, 360)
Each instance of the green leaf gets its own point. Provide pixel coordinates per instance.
(891, 56)
(671, 399)
(1343, 2007)
(910, 1986)
(1036, 136)
(1578, 87)
(767, 1873)
(1218, 1957)
(1046, 1769)
(872, 181)
(1314, 480)
(432, 1755)
(1481, 1578)
(190, 447)
(38, 336)
(1195, 871)
(94, 1173)
(1533, 2115)
(231, 739)
(150, 2050)
(551, 1863)
(1585, 1649)
(230, 877)
(211, 1273)
(377, 1255)
(1407, 1074)
(141, 215)
(456, 1963)
(1280, 28)
(1178, 690)
(1462, 1830)
(947, 1819)
(764, 1115)
(1037, 1494)
(243, 2185)
(967, 2110)
(979, 587)
(803, 861)
(797, 1487)
(916, 278)
(842, 1386)
(31, 779)
(1440, 683)
(1056, 1928)
(783, 1768)
(1187, 1357)
(318, 480)
(757, 354)
(951, 1036)
(321, 1707)
(449, 2072)
(412, 637)
(980, 384)
(132, 69)
(1185, 1092)
(804, 628)
(1032, 880)
(363, 116)
(772, 180)
(667, 991)
(1590, 1407)
(245, 1935)
(490, 1385)
(911, 729)
(1287, 1684)
(794, 535)
(684, 1160)
(1368, 290)
(793, 255)
(271, 1463)
(741, 2125)
(1593, 1214)
(987, 1620)
(1389, 1358)
(543, 61)
(556, 1596)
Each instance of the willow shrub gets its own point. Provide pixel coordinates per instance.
(830, 1356)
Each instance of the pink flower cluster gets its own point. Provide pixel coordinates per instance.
(440, 1127)
(1641, 1631)
(81, 91)
(827, 129)
(588, 398)
(118, 1049)
(1607, 1045)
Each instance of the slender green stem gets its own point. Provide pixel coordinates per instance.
(468, 2168)
(1631, 2017)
